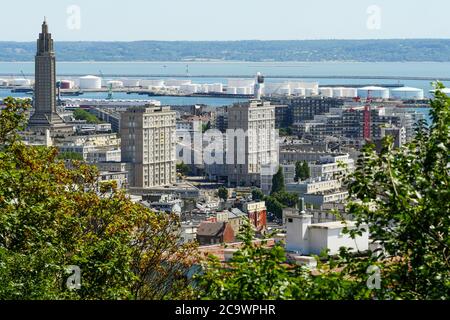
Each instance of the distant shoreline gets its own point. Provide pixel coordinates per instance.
(316, 51)
(226, 61)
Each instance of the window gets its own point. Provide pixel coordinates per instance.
(290, 220)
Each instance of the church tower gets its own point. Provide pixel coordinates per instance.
(45, 116)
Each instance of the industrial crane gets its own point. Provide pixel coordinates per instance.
(110, 87)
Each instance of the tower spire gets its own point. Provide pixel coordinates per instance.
(45, 115)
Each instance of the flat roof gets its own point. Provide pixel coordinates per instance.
(333, 225)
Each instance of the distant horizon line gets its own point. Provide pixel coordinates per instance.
(241, 40)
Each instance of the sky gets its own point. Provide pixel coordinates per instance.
(131, 20)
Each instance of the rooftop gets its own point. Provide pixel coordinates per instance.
(333, 225)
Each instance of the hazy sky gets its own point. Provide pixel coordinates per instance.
(224, 20)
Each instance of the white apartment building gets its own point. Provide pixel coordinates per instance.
(254, 143)
(318, 191)
(307, 238)
(331, 166)
(148, 145)
(312, 186)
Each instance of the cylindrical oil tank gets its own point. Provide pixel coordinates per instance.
(131, 83)
(337, 92)
(90, 82)
(242, 90)
(20, 82)
(231, 90)
(373, 92)
(349, 92)
(309, 92)
(155, 83)
(326, 92)
(176, 82)
(407, 93)
(190, 88)
(115, 84)
(298, 92)
(216, 87)
(241, 83)
(285, 91)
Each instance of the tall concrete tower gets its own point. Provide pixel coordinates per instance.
(45, 116)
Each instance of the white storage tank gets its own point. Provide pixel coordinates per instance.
(298, 91)
(115, 84)
(20, 82)
(131, 83)
(176, 82)
(217, 87)
(190, 88)
(337, 92)
(90, 82)
(231, 90)
(406, 93)
(285, 91)
(241, 83)
(242, 90)
(326, 92)
(309, 92)
(154, 83)
(349, 92)
(373, 92)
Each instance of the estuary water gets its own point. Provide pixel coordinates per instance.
(212, 72)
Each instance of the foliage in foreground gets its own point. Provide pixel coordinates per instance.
(52, 217)
(403, 195)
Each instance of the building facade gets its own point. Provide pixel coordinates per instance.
(251, 142)
(148, 138)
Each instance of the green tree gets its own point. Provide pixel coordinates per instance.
(274, 206)
(223, 193)
(206, 126)
(288, 200)
(404, 196)
(257, 195)
(183, 168)
(301, 171)
(52, 217)
(81, 114)
(70, 156)
(278, 181)
(283, 132)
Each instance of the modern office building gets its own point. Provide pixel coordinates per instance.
(251, 142)
(45, 115)
(148, 136)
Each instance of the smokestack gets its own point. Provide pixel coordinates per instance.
(301, 205)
